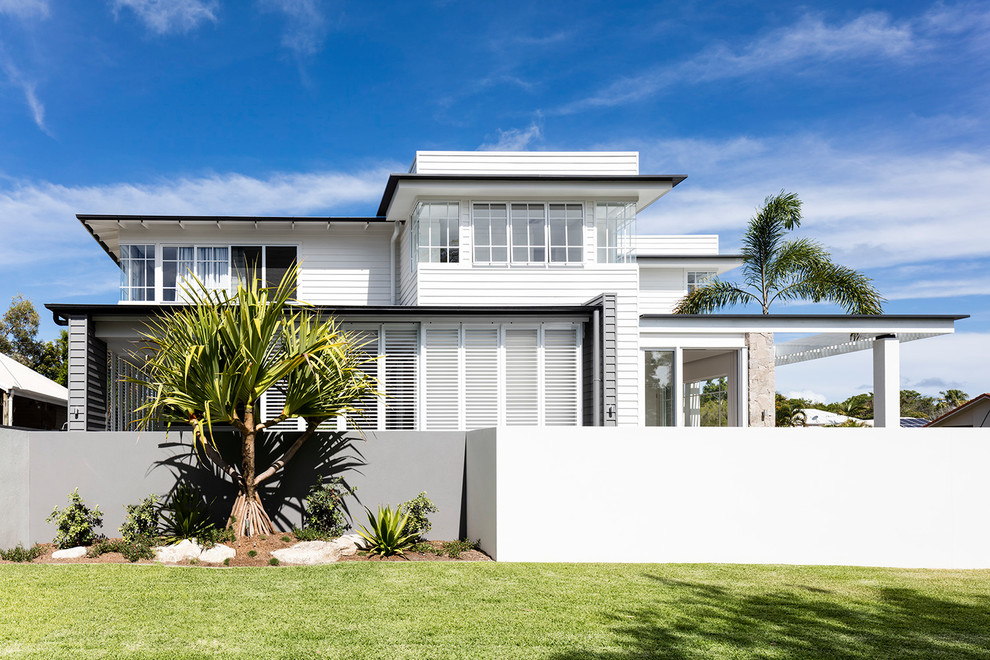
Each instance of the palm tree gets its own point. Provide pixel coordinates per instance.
(775, 269)
(210, 361)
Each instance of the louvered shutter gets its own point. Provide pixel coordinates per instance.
(400, 349)
(273, 401)
(481, 377)
(561, 379)
(442, 374)
(522, 383)
(367, 417)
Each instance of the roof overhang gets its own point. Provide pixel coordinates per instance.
(403, 190)
(106, 228)
(720, 263)
(826, 334)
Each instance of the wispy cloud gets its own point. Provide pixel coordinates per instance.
(170, 16)
(27, 87)
(306, 24)
(25, 8)
(810, 40)
(515, 139)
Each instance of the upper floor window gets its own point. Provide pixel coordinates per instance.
(268, 263)
(137, 272)
(436, 232)
(615, 224)
(528, 233)
(698, 278)
(180, 262)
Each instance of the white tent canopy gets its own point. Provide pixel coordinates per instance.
(19, 380)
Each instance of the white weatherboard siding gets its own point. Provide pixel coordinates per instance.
(406, 294)
(854, 497)
(660, 289)
(455, 284)
(676, 245)
(521, 162)
(350, 266)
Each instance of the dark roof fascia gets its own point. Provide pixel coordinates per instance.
(65, 310)
(394, 179)
(961, 407)
(698, 257)
(809, 317)
(85, 219)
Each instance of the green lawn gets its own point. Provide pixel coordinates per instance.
(484, 610)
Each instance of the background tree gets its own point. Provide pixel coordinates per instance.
(19, 340)
(211, 361)
(775, 269)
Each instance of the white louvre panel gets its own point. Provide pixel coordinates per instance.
(272, 402)
(442, 372)
(561, 380)
(400, 348)
(522, 382)
(369, 405)
(480, 377)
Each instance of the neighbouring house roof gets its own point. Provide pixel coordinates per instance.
(941, 419)
(913, 422)
(19, 380)
(105, 228)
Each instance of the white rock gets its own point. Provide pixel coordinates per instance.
(180, 552)
(308, 553)
(347, 546)
(70, 553)
(357, 539)
(217, 554)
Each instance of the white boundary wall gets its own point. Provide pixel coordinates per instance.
(870, 497)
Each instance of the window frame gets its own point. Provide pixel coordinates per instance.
(415, 224)
(622, 254)
(126, 273)
(690, 286)
(547, 244)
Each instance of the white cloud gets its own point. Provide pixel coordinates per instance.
(27, 87)
(809, 41)
(514, 139)
(960, 360)
(25, 8)
(170, 16)
(306, 26)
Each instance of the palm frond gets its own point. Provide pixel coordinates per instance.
(716, 294)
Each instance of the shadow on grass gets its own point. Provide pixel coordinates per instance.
(323, 457)
(697, 620)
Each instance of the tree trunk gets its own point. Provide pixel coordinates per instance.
(248, 517)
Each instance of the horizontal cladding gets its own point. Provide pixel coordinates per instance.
(676, 245)
(526, 163)
(660, 289)
(346, 268)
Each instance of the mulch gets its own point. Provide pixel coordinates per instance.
(262, 547)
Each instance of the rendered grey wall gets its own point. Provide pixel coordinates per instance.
(481, 495)
(14, 487)
(40, 469)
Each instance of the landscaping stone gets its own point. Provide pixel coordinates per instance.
(217, 554)
(347, 546)
(309, 553)
(70, 553)
(359, 541)
(180, 552)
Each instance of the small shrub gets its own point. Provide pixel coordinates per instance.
(388, 535)
(226, 562)
(186, 515)
(310, 534)
(453, 549)
(286, 539)
(193, 562)
(212, 535)
(418, 509)
(422, 547)
(142, 520)
(273, 561)
(76, 523)
(262, 537)
(132, 550)
(20, 553)
(252, 553)
(325, 512)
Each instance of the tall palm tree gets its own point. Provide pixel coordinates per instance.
(211, 360)
(775, 269)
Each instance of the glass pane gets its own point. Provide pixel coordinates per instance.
(558, 254)
(482, 228)
(659, 375)
(246, 262)
(279, 261)
(482, 254)
(500, 255)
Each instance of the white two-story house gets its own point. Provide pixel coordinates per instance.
(502, 289)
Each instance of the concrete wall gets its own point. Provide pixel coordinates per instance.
(39, 470)
(884, 497)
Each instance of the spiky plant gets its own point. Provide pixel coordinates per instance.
(775, 269)
(209, 362)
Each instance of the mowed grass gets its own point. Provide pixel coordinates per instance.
(489, 610)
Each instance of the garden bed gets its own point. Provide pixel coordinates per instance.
(263, 547)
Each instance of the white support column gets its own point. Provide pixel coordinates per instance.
(678, 393)
(886, 382)
(742, 391)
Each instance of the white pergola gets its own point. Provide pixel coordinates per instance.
(822, 336)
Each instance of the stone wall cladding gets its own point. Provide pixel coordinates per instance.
(762, 398)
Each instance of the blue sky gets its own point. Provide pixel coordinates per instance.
(875, 113)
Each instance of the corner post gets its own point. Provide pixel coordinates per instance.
(886, 382)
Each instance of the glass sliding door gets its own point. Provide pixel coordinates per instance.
(659, 387)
